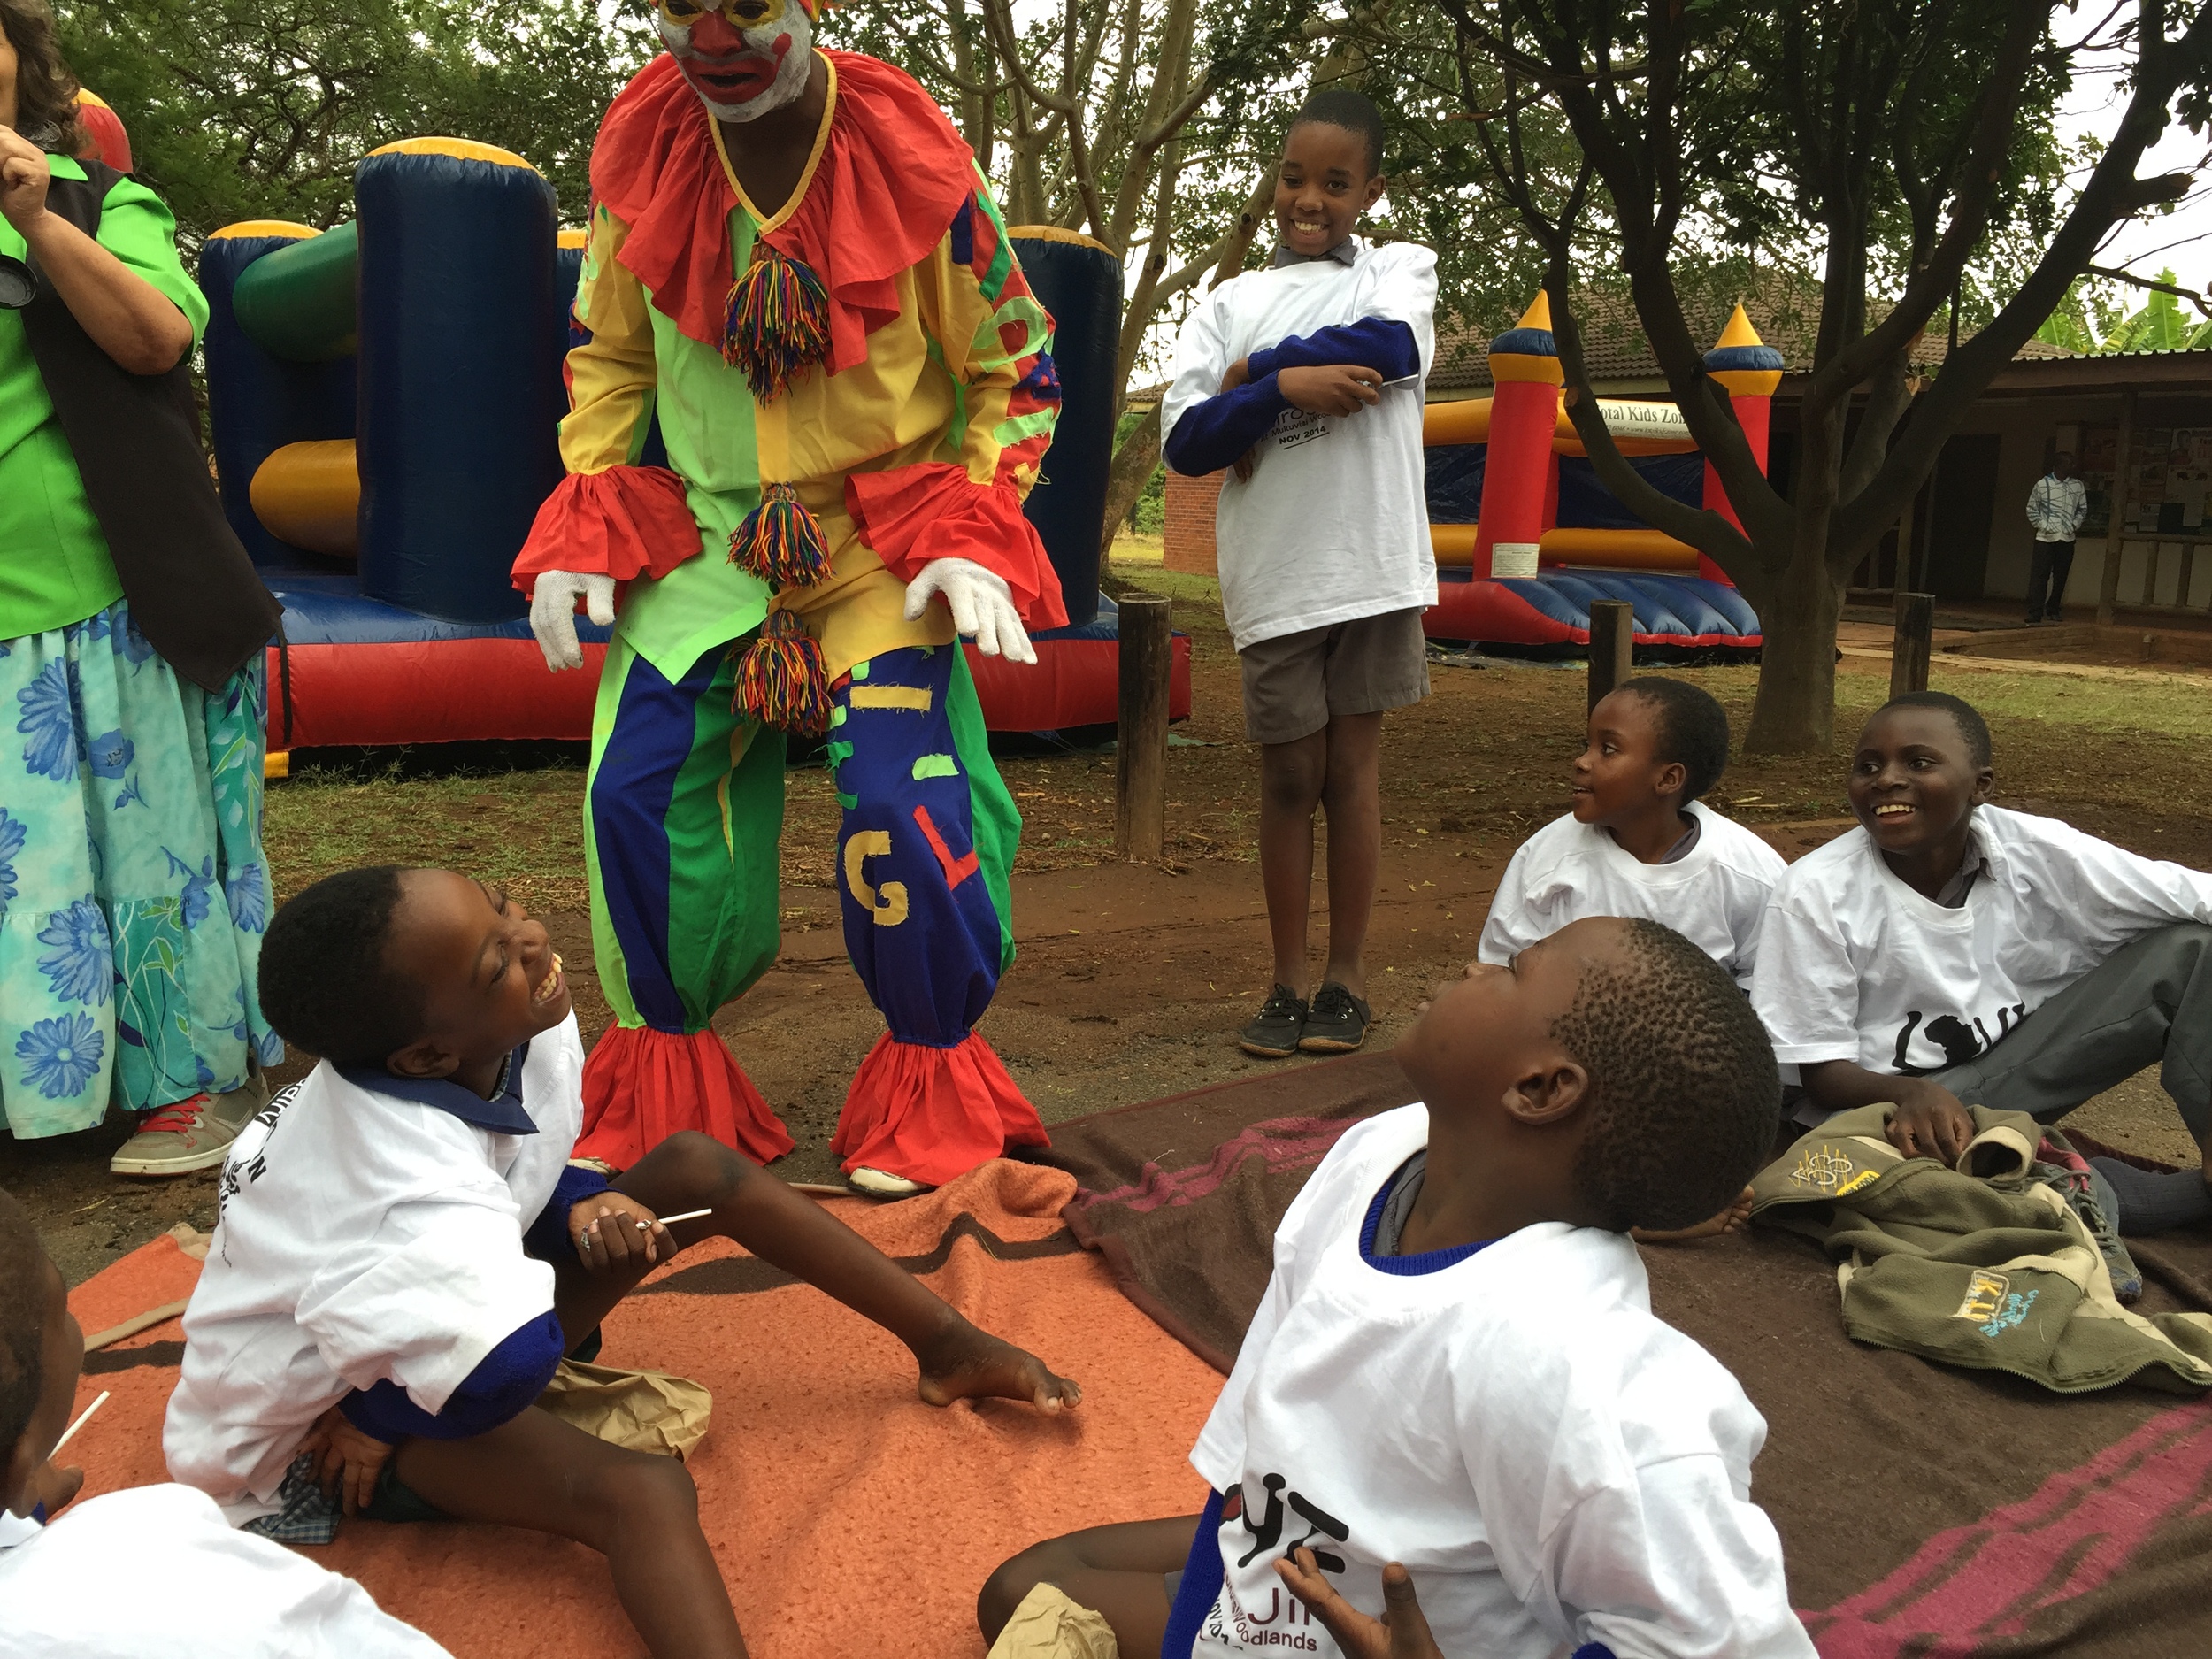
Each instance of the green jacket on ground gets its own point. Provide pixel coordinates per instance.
(1985, 1266)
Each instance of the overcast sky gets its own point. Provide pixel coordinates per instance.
(2174, 240)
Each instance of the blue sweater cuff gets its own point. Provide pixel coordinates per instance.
(1212, 435)
(1380, 343)
(504, 1384)
(1201, 1587)
(547, 1238)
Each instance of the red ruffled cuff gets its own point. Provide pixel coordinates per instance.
(932, 510)
(626, 522)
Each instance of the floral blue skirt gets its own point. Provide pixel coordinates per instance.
(133, 891)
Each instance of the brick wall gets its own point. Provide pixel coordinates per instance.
(1188, 536)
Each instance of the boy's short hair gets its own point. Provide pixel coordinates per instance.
(1687, 1094)
(1972, 727)
(1353, 112)
(23, 1292)
(1693, 729)
(325, 986)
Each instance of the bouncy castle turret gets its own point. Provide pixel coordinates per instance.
(1748, 370)
(1521, 473)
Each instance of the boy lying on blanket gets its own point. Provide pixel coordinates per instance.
(403, 1254)
(1456, 1365)
(196, 1589)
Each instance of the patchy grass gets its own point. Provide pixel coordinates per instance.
(1473, 770)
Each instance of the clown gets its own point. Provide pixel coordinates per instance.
(797, 282)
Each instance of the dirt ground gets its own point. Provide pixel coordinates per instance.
(1132, 978)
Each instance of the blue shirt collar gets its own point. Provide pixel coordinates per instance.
(503, 1114)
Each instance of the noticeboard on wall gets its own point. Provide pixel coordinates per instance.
(2170, 478)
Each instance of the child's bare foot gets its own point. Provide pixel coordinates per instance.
(1732, 1219)
(969, 1363)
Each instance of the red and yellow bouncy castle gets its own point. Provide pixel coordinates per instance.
(1527, 537)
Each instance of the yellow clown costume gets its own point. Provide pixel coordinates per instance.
(847, 389)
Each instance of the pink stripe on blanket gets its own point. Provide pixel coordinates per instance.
(1970, 1584)
(1282, 1143)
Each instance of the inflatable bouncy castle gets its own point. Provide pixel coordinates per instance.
(385, 398)
(1526, 536)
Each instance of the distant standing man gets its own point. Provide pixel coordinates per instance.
(2056, 506)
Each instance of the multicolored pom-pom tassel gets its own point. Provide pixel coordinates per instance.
(782, 680)
(780, 541)
(775, 321)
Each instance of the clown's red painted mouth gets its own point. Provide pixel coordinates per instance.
(736, 81)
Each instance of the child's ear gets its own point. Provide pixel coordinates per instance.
(1549, 1093)
(1376, 184)
(1984, 785)
(1673, 777)
(423, 1058)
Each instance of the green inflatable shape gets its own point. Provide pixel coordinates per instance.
(298, 303)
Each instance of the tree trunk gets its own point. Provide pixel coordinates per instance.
(1133, 468)
(1795, 712)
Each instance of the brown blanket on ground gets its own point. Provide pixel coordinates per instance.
(1923, 1511)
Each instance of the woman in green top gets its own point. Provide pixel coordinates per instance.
(133, 889)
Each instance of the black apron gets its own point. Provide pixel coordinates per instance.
(193, 592)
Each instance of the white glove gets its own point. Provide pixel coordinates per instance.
(553, 613)
(980, 601)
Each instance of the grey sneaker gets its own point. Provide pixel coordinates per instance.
(190, 1135)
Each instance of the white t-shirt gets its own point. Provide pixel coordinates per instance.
(1553, 1464)
(364, 1234)
(157, 1571)
(1856, 965)
(1335, 524)
(1714, 894)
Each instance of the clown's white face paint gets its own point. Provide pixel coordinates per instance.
(742, 75)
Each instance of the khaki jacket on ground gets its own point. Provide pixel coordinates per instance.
(1983, 1266)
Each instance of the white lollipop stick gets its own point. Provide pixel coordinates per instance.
(688, 1215)
(79, 1422)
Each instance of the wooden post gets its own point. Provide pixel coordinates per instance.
(2122, 472)
(1909, 651)
(1141, 749)
(1612, 644)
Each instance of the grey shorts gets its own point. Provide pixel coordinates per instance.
(1294, 684)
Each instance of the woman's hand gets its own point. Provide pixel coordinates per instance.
(128, 317)
(24, 175)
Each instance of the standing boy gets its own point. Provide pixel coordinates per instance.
(2056, 507)
(1306, 378)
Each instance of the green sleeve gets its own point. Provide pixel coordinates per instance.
(138, 229)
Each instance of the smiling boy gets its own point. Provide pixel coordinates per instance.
(1639, 840)
(1949, 953)
(403, 1254)
(1456, 1366)
(1306, 378)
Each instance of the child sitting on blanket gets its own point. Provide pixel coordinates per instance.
(403, 1254)
(1456, 1365)
(1638, 839)
(202, 1592)
(1949, 953)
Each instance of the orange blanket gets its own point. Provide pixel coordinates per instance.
(847, 1516)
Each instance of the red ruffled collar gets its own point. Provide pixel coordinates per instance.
(884, 192)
